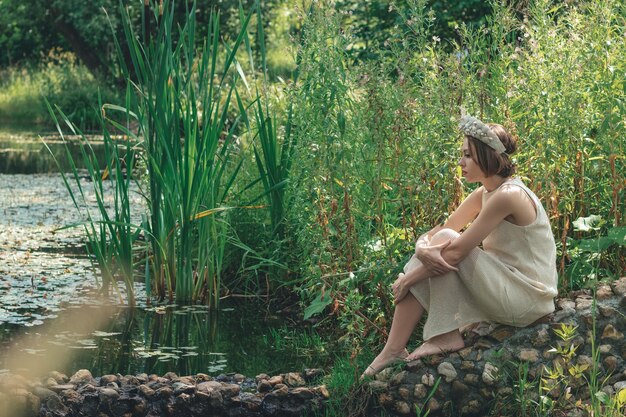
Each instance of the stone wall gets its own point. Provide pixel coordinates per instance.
(486, 374)
(150, 395)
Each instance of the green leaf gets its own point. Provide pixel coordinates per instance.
(618, 235)
(595, 245)
(317, 306)
(602, 396)
(585, 224)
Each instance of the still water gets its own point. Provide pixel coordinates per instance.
(50, 318)
(239, 337)
(23, 151)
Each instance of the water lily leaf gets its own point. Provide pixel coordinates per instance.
(586, 224)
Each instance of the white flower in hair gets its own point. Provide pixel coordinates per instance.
(473, 127)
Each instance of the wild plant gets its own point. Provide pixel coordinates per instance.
(110, 232)
(181, 102)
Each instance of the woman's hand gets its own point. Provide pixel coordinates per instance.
(432, 260)
(400, 288)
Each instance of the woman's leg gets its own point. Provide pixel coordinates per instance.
(407, 314)
(447, 342)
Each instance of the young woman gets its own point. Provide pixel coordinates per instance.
(511, 280)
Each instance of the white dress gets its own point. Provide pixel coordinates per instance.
(512, 280)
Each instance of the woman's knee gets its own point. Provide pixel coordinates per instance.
(444, 235)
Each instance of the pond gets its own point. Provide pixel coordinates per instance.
(52, 319)
(23, 151)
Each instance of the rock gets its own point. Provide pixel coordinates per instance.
(560, 315)
(459, 389)
(565, 303)
(44, 393)
(467, 354)
(541, 338)
(61, 388)
(402, 408)
(618, 386)
(82, 377)
(312, 373)
(619, 286)
(108, 395)
(302, 394)
(230, 390)
(146, 391)
(604, 349)
(433, 405)
(56, 406)
(428, 380)
(170, 375)
(378, 386)
(529, 355)
(107, 379)
(398, 378)
(262, 377)
(604, 292)
(164, 392)
(467, 365)
(420, 391)
(323, 392)
(264, 386)
(610, 363)
(278, 379)
(610, 332)
(280, 390)
(471, 408)
(403, 393)
(471, 379)
(446, 369)
(238, 378)
(182, 388)
(58, 377)
(584, 303)
(294, 379)
(490, 374)
(501, 333)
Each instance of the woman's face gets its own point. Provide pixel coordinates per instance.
(470, 169)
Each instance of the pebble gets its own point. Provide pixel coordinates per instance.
(490, 374)
(446, 369)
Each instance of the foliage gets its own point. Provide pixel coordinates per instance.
(109, 232)
(59, 79)
(376, 149)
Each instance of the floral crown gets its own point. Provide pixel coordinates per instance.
(473, 127)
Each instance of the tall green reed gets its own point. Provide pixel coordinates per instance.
(181, 101)
(109, 231)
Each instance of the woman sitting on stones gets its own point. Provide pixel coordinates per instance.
(511, 280)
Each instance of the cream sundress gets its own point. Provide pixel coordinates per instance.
(512, 280)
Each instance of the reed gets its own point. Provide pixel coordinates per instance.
(108, 226)
(181, 102)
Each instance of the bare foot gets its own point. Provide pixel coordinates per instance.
(382, 361)
(444, 343)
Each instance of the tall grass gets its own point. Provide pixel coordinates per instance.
(181, 102)
(61, 80)
(108, 228)
(377, 143)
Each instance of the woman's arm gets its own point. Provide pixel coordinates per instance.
(496, 209)
(464, 214)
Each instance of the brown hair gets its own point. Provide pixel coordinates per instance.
(488, 159)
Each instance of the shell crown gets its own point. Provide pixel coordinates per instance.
(473, 127)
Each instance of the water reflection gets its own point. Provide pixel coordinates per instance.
(24, 152)
(185, 340)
